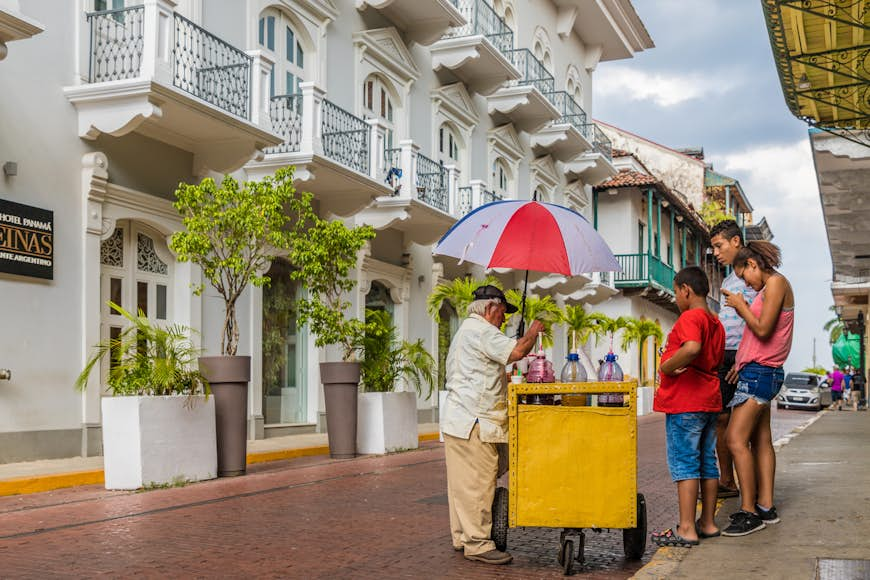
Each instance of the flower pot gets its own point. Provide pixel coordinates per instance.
(228, 377)
(340, 387)
(149, 440)
(386, 422)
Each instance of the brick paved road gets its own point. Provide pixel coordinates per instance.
(374, 517)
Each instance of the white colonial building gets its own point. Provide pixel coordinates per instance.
(118, 101)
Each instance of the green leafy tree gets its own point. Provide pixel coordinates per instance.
(834, 326)
(388, 359)
(322, 256)
(537, 308)
(638, 331)
(146, 359)
(234, 232)
(713, 212)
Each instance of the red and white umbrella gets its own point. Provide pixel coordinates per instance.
(528, 235)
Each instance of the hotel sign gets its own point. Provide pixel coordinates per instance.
(26, 240)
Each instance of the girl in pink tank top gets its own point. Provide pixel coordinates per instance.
(764, 348)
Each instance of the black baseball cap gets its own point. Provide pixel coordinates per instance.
(490, 292)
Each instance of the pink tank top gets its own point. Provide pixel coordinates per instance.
(773, 351)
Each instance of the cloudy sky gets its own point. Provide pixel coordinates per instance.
(711, 82)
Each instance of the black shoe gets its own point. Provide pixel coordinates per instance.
(767, 516)
(743, 523)
(492, 557)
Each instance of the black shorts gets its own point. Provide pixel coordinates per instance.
(727, 389)
(836, 395)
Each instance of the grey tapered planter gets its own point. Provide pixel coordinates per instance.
(228, 377)
(340, 388)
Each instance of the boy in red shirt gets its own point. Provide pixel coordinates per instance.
(689, 394)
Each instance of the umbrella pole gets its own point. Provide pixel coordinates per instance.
(522, 327)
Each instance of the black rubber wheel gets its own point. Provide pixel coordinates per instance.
(634, 539)
(567, 554)
(500, 518)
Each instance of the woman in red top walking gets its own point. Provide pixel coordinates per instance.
(763, 350)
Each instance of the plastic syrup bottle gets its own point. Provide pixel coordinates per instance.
(573, 372)
(610, 371)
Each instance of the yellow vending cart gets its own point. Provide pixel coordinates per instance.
(573, 465)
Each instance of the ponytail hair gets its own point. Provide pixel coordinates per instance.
(768, 256)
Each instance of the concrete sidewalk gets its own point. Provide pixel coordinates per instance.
(824, 502)
(49, 474)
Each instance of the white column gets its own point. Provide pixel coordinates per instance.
(255, 330)
(452, 189)
(312, 115)
(477, 187)
(378, 135)
(409, 169)
(158, 32)
(95, 176)
(261, 68)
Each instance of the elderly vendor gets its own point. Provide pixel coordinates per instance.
(474, 419)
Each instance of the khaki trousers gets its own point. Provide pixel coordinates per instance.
(472, 468)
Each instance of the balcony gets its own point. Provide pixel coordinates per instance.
(423, 21)
(599, 288)
(332, 151)
(648, 276)
(477, 53)
(154, 72)
(565, 138)
(595, 165)
(423, 199)
(15, 26)
(524, 101)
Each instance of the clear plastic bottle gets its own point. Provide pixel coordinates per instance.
(610, 371)
(573, 372)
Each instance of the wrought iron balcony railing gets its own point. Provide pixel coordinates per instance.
(532, 71)
(117, 43)
(482, 19)
(644, 270)
(600, 142)
(211, 69)
(432, 187)
(345, 137)
(465, 200)
(571, 113)
(490, 196)
(285, 111)
(203, 65)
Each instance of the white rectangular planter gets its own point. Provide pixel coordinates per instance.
(386, 422)
(644, 400)
(158, 440)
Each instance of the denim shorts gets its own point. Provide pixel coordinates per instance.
(757, 382)
(692, 445)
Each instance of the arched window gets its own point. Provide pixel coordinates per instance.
(504, 9)
(379, 298)
(573, 86)
(501, 177)
(542, 53)
(378, 104)
(541, 194)
(278, 36)
(448, 145)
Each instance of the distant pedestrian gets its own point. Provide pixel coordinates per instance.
(858, 384)
(847, 383)
(474, 420)
(689, 395)
(764, 349)
(726, 238)
(836, 388)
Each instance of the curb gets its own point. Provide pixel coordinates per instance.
(52, 481)
(666, 559)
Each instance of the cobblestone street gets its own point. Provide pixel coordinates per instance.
(383, 517)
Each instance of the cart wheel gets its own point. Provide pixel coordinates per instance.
(634, 539)
(500, 518)
(567, 557)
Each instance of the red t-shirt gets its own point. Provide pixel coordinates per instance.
(697, 389)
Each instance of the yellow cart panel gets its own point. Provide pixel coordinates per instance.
(573, 466)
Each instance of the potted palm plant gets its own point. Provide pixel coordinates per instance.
(639, 331)
(322, 256)
(233, 232)
(541, 308)
(387, 417)
(159, 424)
(582, 326)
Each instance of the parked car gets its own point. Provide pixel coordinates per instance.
(804, 391)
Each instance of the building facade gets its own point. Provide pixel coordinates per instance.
(401, 114)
